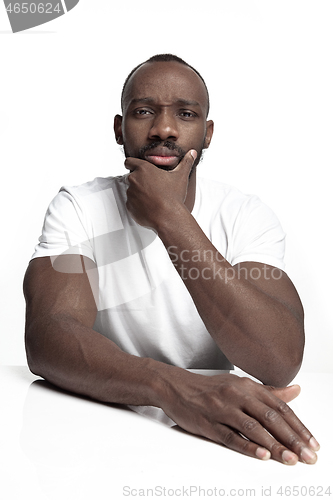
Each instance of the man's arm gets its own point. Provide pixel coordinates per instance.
(63, 348)
(257, 323)
(61, 344)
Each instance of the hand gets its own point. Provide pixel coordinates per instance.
(153, 191)
(237, 412)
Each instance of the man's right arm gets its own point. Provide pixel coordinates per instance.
(63, 348)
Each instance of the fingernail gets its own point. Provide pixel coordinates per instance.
(263, 454)
(308, 456)
(314, 444)
(289, 457)
(194, 154)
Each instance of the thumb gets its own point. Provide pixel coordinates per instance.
(286, 394)
(187, 162)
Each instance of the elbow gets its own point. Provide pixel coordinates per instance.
(288, 358)
(282, 362)
(282, 377)
(33, 365)
(33, 352)
(283, 371)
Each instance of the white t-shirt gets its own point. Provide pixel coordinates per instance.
(143, 304)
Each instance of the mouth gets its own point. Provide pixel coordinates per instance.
(163, 157)
(167, 162)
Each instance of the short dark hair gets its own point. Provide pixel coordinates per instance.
(163, 58)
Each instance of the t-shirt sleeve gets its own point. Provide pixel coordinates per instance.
(64, 229)
(258, 235)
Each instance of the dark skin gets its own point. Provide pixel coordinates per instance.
(258, 324)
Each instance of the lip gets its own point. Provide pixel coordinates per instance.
(163, 157)
(163, 161)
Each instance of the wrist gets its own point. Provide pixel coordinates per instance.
(173, 220)
(165, 379)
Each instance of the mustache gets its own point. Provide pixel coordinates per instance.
(166, 144)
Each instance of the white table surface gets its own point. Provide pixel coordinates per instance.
(55, 445)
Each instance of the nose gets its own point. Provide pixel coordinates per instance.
(164, 127)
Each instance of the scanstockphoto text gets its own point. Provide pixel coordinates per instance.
(195, 491)
(189, 264)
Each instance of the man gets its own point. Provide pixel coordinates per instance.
(154, 272)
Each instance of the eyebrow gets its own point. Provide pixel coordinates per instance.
(151, 100)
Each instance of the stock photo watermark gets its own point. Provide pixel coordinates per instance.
(159, 491)
(24, 15)
(191, 265)
(128, 247)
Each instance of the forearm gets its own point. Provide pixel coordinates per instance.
(257, 332)
(79, 359)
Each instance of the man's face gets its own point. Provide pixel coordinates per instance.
(164, 115)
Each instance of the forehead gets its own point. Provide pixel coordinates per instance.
(166, 81)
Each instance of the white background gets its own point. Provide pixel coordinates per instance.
(268, 66)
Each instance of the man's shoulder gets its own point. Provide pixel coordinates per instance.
(220, 193)
(97, 185)
(229, 202)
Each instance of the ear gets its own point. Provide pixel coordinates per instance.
(209, 133)
(117, 129)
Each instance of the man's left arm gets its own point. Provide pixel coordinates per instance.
(258, 324)
(251, 310)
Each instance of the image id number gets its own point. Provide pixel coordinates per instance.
(304, 491)
(33, 8)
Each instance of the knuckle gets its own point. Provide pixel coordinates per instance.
(271, 416)
(228, 438)
(293, 442)
(229, 390)
(249, 425)
(247, 382)
(283, 408)
(246, 447)
(276, 449)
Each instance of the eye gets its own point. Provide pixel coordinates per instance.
(187, 114)
(142, 112)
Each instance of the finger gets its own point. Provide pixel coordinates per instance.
(288, 436)
(194, 154)
(133, 163)
(256, 433)
(232, 439)
(286, 394)
(294, 422)
(187, 162)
